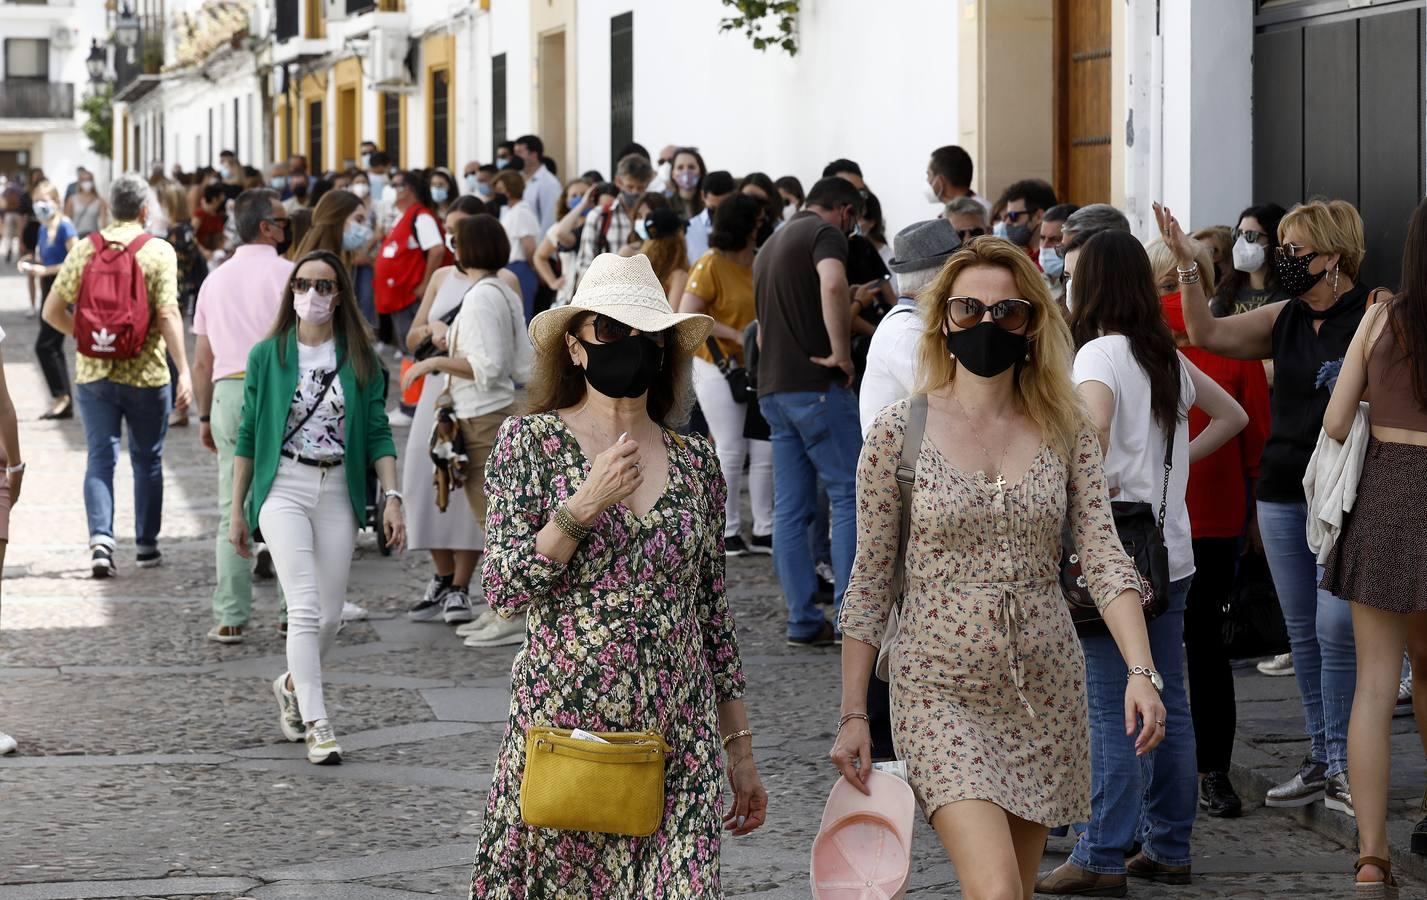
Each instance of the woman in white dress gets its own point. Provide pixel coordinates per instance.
(454, 538)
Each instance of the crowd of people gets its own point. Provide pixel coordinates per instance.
(1021, 455)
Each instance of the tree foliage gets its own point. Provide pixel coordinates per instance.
(767, 23)
(98, 108)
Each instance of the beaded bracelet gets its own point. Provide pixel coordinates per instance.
(1189, 275)
(566, 523)
(849, 717)
(745, 733)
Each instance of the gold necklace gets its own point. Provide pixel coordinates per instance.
(1000, 481)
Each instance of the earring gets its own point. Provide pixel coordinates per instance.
(1335, 284)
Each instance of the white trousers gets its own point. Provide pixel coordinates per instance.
(725, 418)
(310, 529)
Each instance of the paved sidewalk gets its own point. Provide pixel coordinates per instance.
(151, 764)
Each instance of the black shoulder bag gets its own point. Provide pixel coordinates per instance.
(1142, 534)
(739, 383)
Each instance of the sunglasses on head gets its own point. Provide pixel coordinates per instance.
(611, 331)
(326, 287)
(1249, 235)
(1009, 315)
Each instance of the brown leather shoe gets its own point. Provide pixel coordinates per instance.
(1142, 866)
(1070, 879)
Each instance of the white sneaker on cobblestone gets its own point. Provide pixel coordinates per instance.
(351, 612)
(481, 623)
(1281, 664)
(8, 744)
(500, 633)
(456, 607)
(289, 716)
(322, 748)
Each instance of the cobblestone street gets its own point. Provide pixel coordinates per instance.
(151, 764)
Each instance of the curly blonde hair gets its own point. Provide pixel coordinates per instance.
(1043, 383)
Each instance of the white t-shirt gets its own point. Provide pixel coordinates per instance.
(520, 222)
(1135, 460)
(891, 363)
(425, 234)
(322, 436)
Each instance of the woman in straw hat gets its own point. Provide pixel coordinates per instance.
(607, 528)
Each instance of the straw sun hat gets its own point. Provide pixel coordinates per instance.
(628, 291)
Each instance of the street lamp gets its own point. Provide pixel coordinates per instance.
(126, 31)
(97, 62)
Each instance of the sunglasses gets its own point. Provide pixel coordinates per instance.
(612, 331)
(1248, 234)
(967, 234)
(325, 287)
(1009, 315)
(281, 223)
(1014, 215)
(1286, 250)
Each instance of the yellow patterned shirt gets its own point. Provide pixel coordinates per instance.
(160, 266)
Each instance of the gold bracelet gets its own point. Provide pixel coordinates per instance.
(745, 733)
(565, 521)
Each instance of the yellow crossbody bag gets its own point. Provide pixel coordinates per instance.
(577, 785)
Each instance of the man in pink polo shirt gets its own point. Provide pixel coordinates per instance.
(237, 305)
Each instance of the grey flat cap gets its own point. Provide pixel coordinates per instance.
(923, 245)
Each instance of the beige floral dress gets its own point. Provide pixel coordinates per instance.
(987, 675)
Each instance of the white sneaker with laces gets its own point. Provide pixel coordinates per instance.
(8, 744)
(322, 748)
(289, 717)
(1281, 664)
(500, 633)
(481, 623)
(351, 612)
(456, 607)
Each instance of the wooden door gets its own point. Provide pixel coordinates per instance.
(1081, 105)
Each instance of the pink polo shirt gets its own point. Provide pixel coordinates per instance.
(238, 303)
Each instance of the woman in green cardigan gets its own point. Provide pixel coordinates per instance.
(314, 420)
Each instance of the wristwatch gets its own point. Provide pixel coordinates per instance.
(1151, 674)
(393, 495)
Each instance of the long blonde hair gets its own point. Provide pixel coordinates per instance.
(1042, 383)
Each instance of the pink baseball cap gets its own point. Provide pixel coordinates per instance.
(863, 850)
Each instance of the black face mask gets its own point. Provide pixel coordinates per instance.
(286, 242)
(986, 349)
(625, 368)
(1293, 274)
(1020, 235)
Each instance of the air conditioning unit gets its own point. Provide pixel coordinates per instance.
(335, 10)
(63, 37)
(389, 49)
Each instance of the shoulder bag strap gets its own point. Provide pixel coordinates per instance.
(907, 481)
(1168, 466)
(717, 353)
(326, 386)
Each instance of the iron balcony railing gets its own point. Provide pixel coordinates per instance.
(25, 99)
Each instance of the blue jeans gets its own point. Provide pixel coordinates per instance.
(364, 286)
(815, 436)
(104, 406)
(1320, 632)
(1151, 798)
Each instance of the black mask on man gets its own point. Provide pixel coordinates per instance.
(986, 349)
(625, 368)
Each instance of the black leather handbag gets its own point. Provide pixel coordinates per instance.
(427, 348)
(1141, 532)
(739, 384)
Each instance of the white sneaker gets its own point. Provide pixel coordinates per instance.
(1281, 664)
(398, 419)
(500, 633)
(351, 612)
(322, 748)
(8, 744)
(481, 623)
(825, 572)
(289, 717)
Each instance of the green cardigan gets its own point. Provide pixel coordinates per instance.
(268, 386)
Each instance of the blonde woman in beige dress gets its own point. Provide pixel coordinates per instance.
(987, 676)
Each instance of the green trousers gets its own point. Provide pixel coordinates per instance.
(233, 597)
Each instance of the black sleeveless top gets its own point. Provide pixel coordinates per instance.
(1304, 363)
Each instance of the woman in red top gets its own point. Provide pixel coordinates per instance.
(1219, 488)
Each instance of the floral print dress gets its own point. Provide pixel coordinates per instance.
(987, 675)
(633, 634)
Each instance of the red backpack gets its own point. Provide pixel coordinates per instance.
(111, 314)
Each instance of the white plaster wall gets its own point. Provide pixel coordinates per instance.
(187, 100)
(747, 110)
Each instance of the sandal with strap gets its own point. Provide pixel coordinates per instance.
(1387, 888)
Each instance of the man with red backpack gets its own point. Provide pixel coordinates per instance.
(123, 285)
